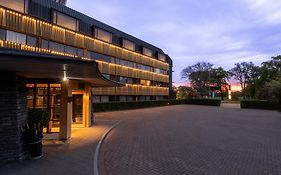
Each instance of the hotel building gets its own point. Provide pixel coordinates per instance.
(56, 58)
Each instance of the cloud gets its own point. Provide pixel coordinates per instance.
(218, 31)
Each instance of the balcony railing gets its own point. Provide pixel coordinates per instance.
(132, 90)
(15, 21)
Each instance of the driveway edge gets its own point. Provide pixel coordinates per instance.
(96, 156)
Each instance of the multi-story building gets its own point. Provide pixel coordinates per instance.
(43, 44)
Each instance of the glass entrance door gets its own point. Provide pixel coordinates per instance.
(46, 96)
(77, 117)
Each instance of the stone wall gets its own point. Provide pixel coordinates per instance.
(13, 116)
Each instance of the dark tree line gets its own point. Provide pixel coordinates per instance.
(260, 82)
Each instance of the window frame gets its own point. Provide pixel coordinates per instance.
(55, 20)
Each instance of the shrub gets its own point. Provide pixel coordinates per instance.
(207, 102)
(114, 106)
(259, 104)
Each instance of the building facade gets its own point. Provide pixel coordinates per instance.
(46, 26)
(64, 61)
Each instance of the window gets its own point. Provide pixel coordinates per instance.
(65, 21)
(16, 37)
(31, 41)
(128, 44)
(104, 99)
(161, 57)
(147, 52)
(2, 34)
(56, 47)
(96, 99)
(45, 44)
(103, 35)
(70, 50)
(18, 5)
(145, 82)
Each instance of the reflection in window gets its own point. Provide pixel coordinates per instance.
(103, 35)
(45, 44)
(56, 47)
(31, 41)
(128, 44)
(16, 37)
(147, 52)
(18, 5)
(161, 57)
(2, 34)
(65, 21)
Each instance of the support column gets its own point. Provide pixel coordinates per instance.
(66, 110)
(87, 109)
(13, 116)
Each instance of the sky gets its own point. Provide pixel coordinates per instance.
(222, 32)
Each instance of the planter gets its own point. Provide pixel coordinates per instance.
(35, 149)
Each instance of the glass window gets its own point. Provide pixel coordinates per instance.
(145, 82)
(16, 37)
(65, 21)
(2, 34)
(103, 35)
(104, 99)
(128, 44)
(123, 80)
(18, 5)
(147, 52)
(70, 50)
(80, 53)
(56, 47)
(122, 98)
(31, 41)
(96, 99)
(161, 57)
(45, 44)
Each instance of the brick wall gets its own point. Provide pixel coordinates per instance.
(13, 115)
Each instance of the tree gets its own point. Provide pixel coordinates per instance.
(199, 76)
(184, 92)
(245, 73)
(219, 78)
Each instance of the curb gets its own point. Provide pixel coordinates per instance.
(96, 156)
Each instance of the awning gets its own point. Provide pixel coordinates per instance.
(48, 66)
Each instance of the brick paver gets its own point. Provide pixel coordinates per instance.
(178, 140)
(76, 157)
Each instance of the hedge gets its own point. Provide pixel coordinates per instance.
(114, 106)
(259, 104)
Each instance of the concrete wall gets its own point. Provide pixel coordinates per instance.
(13, 116)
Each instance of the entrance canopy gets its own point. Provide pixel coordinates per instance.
(47, 66)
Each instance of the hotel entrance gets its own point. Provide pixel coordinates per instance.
(48, 96)
(77, 110)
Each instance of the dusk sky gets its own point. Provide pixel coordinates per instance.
(222, 32)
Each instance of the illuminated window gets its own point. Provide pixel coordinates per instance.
(145, 82)
(65, 21)
(161, 57)
(16, 37)
(18, 5)
(129, 45)
(147, 52)
(103, 35)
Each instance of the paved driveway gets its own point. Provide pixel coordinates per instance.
(192, 140)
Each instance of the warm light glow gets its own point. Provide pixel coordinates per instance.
(151, 61)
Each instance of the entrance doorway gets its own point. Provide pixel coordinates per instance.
(77, 113)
